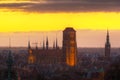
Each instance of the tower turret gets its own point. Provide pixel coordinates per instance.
(47, 44)
(107, 45)
(29, 46)
(56, 44)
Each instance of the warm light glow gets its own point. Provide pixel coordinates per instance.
(31, 60)
(72, 59)
(23, 21)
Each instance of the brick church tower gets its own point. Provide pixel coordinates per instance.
(69, 46)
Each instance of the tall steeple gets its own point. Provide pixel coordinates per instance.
(107, 45)
(43, 44)
(47, 43)
(56, 44)
(29, 47)
(107, 39)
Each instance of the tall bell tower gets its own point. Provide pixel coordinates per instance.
(69, 46)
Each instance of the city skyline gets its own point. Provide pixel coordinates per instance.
(59, 39)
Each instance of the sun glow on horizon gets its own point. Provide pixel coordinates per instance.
(22, 1)
(17, 21)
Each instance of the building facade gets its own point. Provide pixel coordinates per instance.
(65, 55)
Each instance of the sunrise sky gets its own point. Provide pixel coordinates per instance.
(26, 16)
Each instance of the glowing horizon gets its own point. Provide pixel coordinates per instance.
(49, 15)
(25, 22)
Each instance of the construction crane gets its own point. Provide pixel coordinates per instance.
(36, 44)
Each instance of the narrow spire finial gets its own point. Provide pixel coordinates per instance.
(57, 47)
(47, 43)
(29, 46)
(56, 44)
(43, 45)
(107, 32)
(107, 35)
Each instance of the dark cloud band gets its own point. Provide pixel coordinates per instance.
(66, 6)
